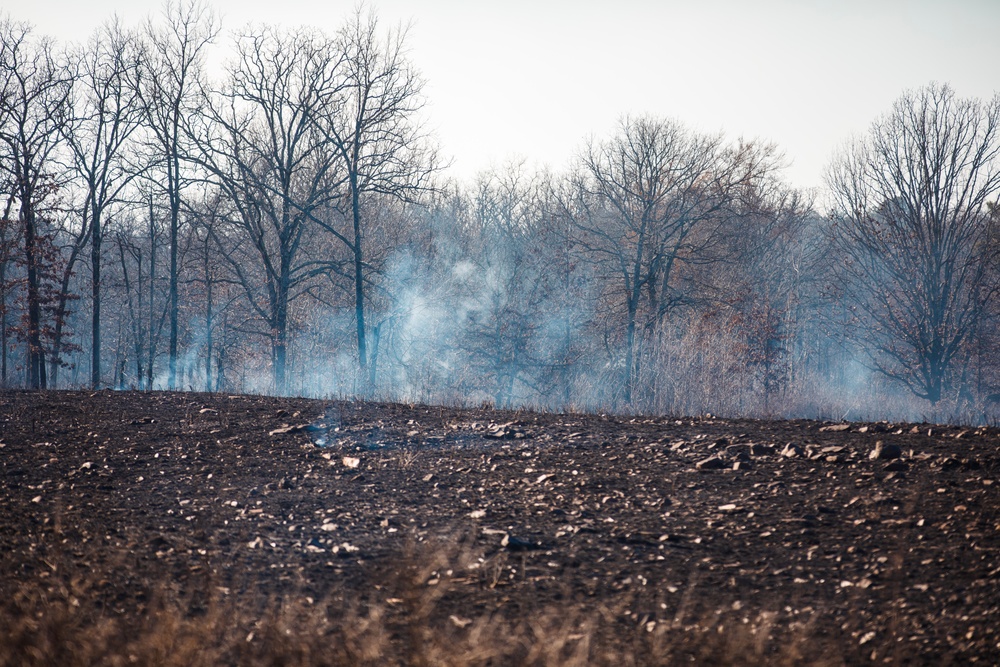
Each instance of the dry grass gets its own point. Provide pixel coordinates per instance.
(63, 620)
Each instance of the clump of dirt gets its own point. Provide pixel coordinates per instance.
(486, 537)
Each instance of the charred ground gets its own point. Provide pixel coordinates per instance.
(350, 532)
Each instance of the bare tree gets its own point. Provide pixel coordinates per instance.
(509, 284)
(107, 112)
(170, 85)
(749, 304)
(136, 287)
(9, 238)
(915, 237)
(263, 148)
(649, 198)
(383, 148)
(34, 89)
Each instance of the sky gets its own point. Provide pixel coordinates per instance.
(533, 80)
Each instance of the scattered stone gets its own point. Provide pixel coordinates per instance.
(835, 428)
(345, 549)
(283, 430)
(792, 450)
(949, 463)
(512, 543)
(711, 463)
(885, 451)
(504, 432)
(459, 622)
(620, 508)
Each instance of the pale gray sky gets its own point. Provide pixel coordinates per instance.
(535, 78)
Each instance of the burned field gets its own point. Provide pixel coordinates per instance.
(209, 529)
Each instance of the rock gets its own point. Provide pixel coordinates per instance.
(711, 463)
(792, 450)
(512, 543)
(885, 452)
(741, 456)
(298, 428)
(506, 431)
(835, 428)
(897, 466)
(458, 621)
(949, 463)
(344, 549)
(761, 449)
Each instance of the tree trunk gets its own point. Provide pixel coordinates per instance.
(629, 353)
(3, 341)
(152, 298)
(97, 236)
(359, 287)
(208, 328)
(36, 355)
(174, 224)
(280, 340)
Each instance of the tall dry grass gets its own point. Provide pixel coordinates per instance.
(63, 619)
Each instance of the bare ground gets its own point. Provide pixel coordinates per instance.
(167, 528)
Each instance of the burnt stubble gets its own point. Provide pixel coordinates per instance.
(168, 528)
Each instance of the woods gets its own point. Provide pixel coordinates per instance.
(283, 222)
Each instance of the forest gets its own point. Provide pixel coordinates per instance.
(286, 224)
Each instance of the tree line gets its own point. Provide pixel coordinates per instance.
(286, 224)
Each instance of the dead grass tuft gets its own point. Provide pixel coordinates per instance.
(412, 615)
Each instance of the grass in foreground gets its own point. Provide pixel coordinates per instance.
(62, 620)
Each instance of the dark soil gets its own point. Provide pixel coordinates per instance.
(637, 526)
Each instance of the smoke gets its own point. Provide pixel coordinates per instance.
(467, 311)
